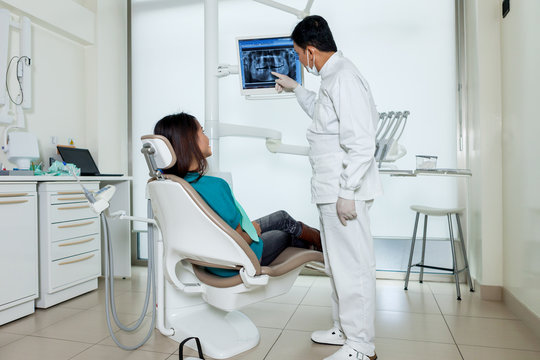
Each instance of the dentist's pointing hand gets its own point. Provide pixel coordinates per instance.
(284, 83)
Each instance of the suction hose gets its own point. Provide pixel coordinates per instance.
(109, 291)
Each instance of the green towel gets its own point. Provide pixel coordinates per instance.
(246, 224)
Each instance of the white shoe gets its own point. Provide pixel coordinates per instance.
(333, 336)
(347, 353)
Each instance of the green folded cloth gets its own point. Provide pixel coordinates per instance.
(58, 168)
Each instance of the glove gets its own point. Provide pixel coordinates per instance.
(284, 83)
(346, 210)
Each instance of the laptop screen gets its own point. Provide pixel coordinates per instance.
(81, 158)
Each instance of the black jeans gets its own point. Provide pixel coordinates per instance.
(279, 231)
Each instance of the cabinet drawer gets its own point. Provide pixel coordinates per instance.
(75, 269)
(67, 212)
(71, 229)
(65, 248)
(67, 198)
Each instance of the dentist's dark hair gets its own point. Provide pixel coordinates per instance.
(182, 132)
(314, 31)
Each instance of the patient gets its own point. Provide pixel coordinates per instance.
(267, 236)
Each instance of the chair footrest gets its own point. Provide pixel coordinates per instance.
(433, 267)
(439, 268)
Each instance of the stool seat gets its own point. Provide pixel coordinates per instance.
(431, 211)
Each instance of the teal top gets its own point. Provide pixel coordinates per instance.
(218, 195)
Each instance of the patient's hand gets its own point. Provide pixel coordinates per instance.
(257, 227)
(244, 234)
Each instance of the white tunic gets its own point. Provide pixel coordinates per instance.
(342, 134)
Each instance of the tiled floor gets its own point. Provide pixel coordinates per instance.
(426, 322)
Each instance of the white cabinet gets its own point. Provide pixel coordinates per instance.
(18, 250)
(70, 242)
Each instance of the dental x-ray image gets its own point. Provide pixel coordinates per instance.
(259, 56)
(258, 65)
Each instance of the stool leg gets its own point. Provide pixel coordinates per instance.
(423, 249)
(454, 262)
(412, 251)
(462, 240)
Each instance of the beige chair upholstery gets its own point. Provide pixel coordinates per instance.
(290, 259)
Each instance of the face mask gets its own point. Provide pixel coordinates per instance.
(312, 70)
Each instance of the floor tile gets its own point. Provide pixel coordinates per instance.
(501, 333)
(41, 319)
(415, 350)
(318, 295)
(322, 281)
(396, 299)
(157, 342)
(311, 318)
(115, 353)
(268, 339)
(414, 286)
(486, 353)
(6, 338)
(135, 283)
(36, 348)
(269, 315)
(449, 288)
(473, 305)
(304, 280)
(297, 345)
(294, 296)
(128, 303)
(85, 301)
(88, 326)
(412, 326)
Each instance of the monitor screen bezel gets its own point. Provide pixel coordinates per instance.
(261, 91)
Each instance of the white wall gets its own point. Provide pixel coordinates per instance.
(79, 70)
(521, 173)
(405, 50)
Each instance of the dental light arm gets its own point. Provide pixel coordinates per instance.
(300, 14)
(273, 138)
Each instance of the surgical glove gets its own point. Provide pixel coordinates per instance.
(284, 83)
(346, 210)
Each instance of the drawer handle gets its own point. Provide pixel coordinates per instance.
(13, 202)
(73, 207)
(75, 225)
(75, 261)
(72, 198)
(77, 242)
(69, 193)
(13, 194)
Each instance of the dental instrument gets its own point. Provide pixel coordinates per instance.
(99, 202)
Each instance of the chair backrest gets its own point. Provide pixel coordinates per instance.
(190, 228)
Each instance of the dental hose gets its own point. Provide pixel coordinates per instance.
(109, 291)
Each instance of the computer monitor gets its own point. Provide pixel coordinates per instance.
(258, 56)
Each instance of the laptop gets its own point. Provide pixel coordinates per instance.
(82, 159)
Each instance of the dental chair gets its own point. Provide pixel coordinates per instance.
(193, 301)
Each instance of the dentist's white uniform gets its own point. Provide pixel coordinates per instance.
(342, 147)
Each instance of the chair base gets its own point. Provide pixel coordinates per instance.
(223, 334)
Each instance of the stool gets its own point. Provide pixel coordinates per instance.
(429, 211)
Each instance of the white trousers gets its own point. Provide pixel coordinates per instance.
(350, 263)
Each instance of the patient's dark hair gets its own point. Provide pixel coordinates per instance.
(314, 31)
(182, 132)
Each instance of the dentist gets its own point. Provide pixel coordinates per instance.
(345, 181)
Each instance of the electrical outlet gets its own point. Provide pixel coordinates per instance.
(54, 140)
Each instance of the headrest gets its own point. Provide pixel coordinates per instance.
(164, 155)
